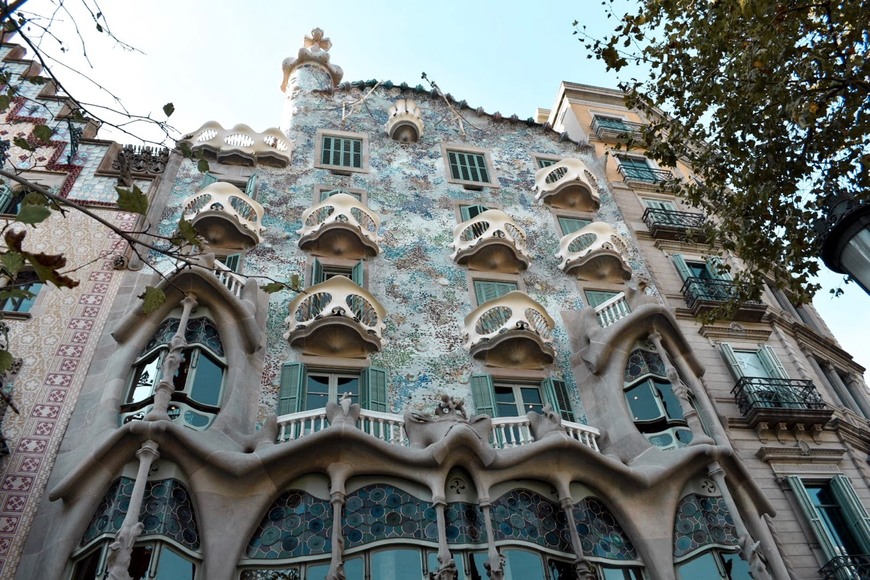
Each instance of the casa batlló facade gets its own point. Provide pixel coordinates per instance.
(497, 366)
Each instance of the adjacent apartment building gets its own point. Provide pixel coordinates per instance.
(496, 364)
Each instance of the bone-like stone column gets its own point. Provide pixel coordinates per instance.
(446, 564)
(336, 565)
(121, 549)
(163, 392)
(581, 565)
(495, 561)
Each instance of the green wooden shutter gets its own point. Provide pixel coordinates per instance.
(251, 187)
(681, 266)
(570, 225)
(812, 516)
(598, 297)
(556, 393)
(373, 389)
(232, 261)
(483, 394)
(466, 212)
(856, 516)
(316, 272)
(659, 204)
(6, 199)
(486, 290)
(714, 264)
(356, 151)
(771, 363)
(291, 393)
(546, 163)
(207, 179)
(357, 273)
(731, 359)
(326, 153)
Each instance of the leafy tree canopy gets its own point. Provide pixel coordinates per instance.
(768, 101)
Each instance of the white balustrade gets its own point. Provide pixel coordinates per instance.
(298, 425)
(585, 434)
(510, 432)
(612, 310)
(228, 278)
(385, 426)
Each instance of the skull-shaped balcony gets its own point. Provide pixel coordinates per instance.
(567, 184)
(511, 331)
(335, 318)
(240, 145)
(595, 252)
(341, 227)
(490, 241)
(225, 217)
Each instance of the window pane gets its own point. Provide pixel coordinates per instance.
(86, 568)
(207, 379)
(354, 569)
(506, 402)
(476, 568)
(570, 225)
(173, 566)
(831, 514)
(145, 376)
(522, 565)
(139, 561)
(397, 564)
(348, 385)
(531, 399)
(672, 404)
(317, 572)
(643, 404)
(750, 363)
(699, 270)
(598, 297)
(701, 567)
(739, 566)
(317, 392)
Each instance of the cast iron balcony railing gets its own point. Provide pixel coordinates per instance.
(567, 184)
(606, 128)
(491, 241)
(340, 226)
(595, 252)
(226, 217)
(335, 318)
(511, 331)
(644, 175)
(668, 224)
(705, 294)
(782, 402)
(847, 568)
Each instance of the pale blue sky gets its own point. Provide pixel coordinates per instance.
(221, 61)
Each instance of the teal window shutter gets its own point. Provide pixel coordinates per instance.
(6, 199)
(291, 392)
(342, 152)
(316, 272)
(570, 225)
(207, 179)
(714, 265)
(251, 187)
(771, 362)
(326, 152)
(681, 266)
(326, 193)
(731, 359)
(466, 212)
(598, 297)
(468, 166)
(486, 290)
(856, 516)
(232, 261)
(546, 163)
(373, 389)
(483, 394)
(659, 204)
(813, 517)
(357, 274)
(556, 393)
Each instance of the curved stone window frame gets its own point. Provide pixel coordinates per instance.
(195, 401)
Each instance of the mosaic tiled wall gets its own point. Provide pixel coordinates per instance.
(702, 521)
(424, 292)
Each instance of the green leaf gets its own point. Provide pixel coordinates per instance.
(295, 282)
(99, 27)
(273, 287)
(4, 102)
(186, 234)
(6, 361)
(42, 132)
(23, 143)
(168, 109)
(33, 214)
(202, 165)
(12, 262)
(132, 200)
(46, 266)
(152, 299)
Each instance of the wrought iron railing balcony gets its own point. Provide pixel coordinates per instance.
(491, 241)
(674, 225)
(855, 567)
(336, 317)
(340, 226)
(567, 184)
(225, 216)
(606, 128)
(705, 294)
(595, 252)
(644, 175)
(766, 393)
(511, 331)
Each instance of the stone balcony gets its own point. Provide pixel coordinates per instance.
(704, 295)
(490, 241)
(341, 227)
(567, 184)
(404, 121)
(666, 224)
(510, 331)
(595, 252)
(784, 403)
(335, 318)
(225, 217)
(240, 145)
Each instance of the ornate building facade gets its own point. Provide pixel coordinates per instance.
(496, 365)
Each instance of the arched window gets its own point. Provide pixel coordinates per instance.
(198, 382)
(705, 540)
(651, 400)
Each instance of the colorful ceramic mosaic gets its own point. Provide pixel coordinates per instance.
(641, 363)
(526, 516)
(166, 511)
(601, 535)
(297, 524)
(702, 521)
(199, 331)
(379, 512)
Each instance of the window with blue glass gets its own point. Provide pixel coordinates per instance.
(198, 382)
(20, 294)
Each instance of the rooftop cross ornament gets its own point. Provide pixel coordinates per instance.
(316, 41)
(315, 50)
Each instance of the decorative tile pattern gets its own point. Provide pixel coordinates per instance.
(601, 535)
(526, 516)
(379, 512)
(297, 524)
(465, 524)
(642, 362)
(199, 330)
(703, 521)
